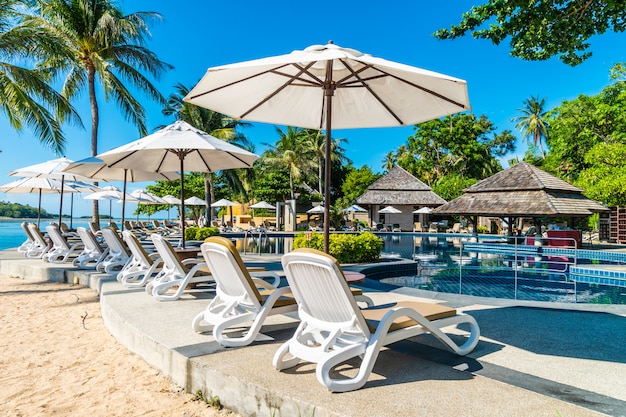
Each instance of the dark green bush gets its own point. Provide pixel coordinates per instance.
(200, 233)
(346, 248)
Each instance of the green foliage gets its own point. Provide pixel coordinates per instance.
(482, 229)
(539, 30)
(200, 233)
(212, 401)
(355, 184)
(460, 144)
(19, 211)
(346, 248)
(451, 186)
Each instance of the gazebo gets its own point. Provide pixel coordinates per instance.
(400, 189)
(522, 191)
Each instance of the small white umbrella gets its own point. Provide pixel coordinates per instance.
(316, 210)
(424, 211)
(108, 193)
(171, 200)
(36, 185)
(95, 168)
(389, 210)
(327, 86)
(225, 203)
(51, 169)
(354, 209)
(263, 205)
(195, 201)
(179, 147)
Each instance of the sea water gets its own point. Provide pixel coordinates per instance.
(12, 235)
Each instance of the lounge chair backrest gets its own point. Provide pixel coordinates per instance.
(171, 262)
(37, 235)
(114, 242)
(89, 240)
(57, 238)
(229, 271)
(322, 292)
(114, 226)
(95, 227)
(137, 250)
(29, 235)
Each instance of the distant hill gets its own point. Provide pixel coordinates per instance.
(19, 211)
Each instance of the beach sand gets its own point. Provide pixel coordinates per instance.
(57, 358)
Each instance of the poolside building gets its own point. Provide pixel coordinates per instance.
(401, 190)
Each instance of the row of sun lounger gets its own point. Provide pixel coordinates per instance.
(333, 329)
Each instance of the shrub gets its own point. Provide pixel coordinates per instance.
(200, 233)
(346, 248)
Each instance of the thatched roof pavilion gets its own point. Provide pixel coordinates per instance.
(399, 187)
(522, 191)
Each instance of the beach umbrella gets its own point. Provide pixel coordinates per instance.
(54, 169)
(325, 87)
(96, 169)
(423, 212)
(195, 201)
(225, 203)
(354, 209)
(179, 147)
(170, 199)
(107, 193)
(262, 205)
(36, 185)
(316, 210)
(389, 210)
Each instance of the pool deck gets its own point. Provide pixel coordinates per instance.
(533, 359)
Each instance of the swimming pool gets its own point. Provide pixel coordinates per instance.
(452, 264)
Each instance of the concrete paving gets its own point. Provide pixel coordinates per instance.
(534, 359)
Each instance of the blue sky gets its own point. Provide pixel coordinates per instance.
(196, 35)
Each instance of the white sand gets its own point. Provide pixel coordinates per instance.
(57, 358)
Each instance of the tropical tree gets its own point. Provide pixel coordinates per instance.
(26, 98)
(314, 144)
(289, 151)
(96, 44)
(532, 122)
(355, 184)
(539, 30)
(390, 161)
(220, 126)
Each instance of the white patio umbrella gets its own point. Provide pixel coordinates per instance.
(316, 210)
(195, 201)
(96, 169)
(108, 192)
(179, 147)
(51, 169)
(262, 205)
(354, 209)
(225, 203)
(389, 210)
(36, 185)
(326, 86)
(423, 212)
(171, 200)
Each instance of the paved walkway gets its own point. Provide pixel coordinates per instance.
(534, 359)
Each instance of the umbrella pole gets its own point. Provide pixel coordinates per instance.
(181, 156)
(110, 217)
(71, 211)
(39, 210)
(61, 202)
(123, 200)
(329, 91)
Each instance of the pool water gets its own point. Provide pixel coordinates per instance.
(443, 263)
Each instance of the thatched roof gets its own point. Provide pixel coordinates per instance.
(400, 188)
(522, 191)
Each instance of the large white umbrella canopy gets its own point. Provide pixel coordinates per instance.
(36, 185)
(97, 169)
(54, 169)
(389, 210)
(179, 146)
(170, 199)
(325, 87)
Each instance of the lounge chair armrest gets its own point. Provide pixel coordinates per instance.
(257, 278)
(154, 256)
(192, 261)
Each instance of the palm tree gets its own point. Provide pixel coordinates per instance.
(532, 123)
(96, 42)
(220, 126)
(289, 151)
(25, 96)
(315, 145)
(390, 161)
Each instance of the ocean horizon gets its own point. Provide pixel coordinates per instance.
(12, 235)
